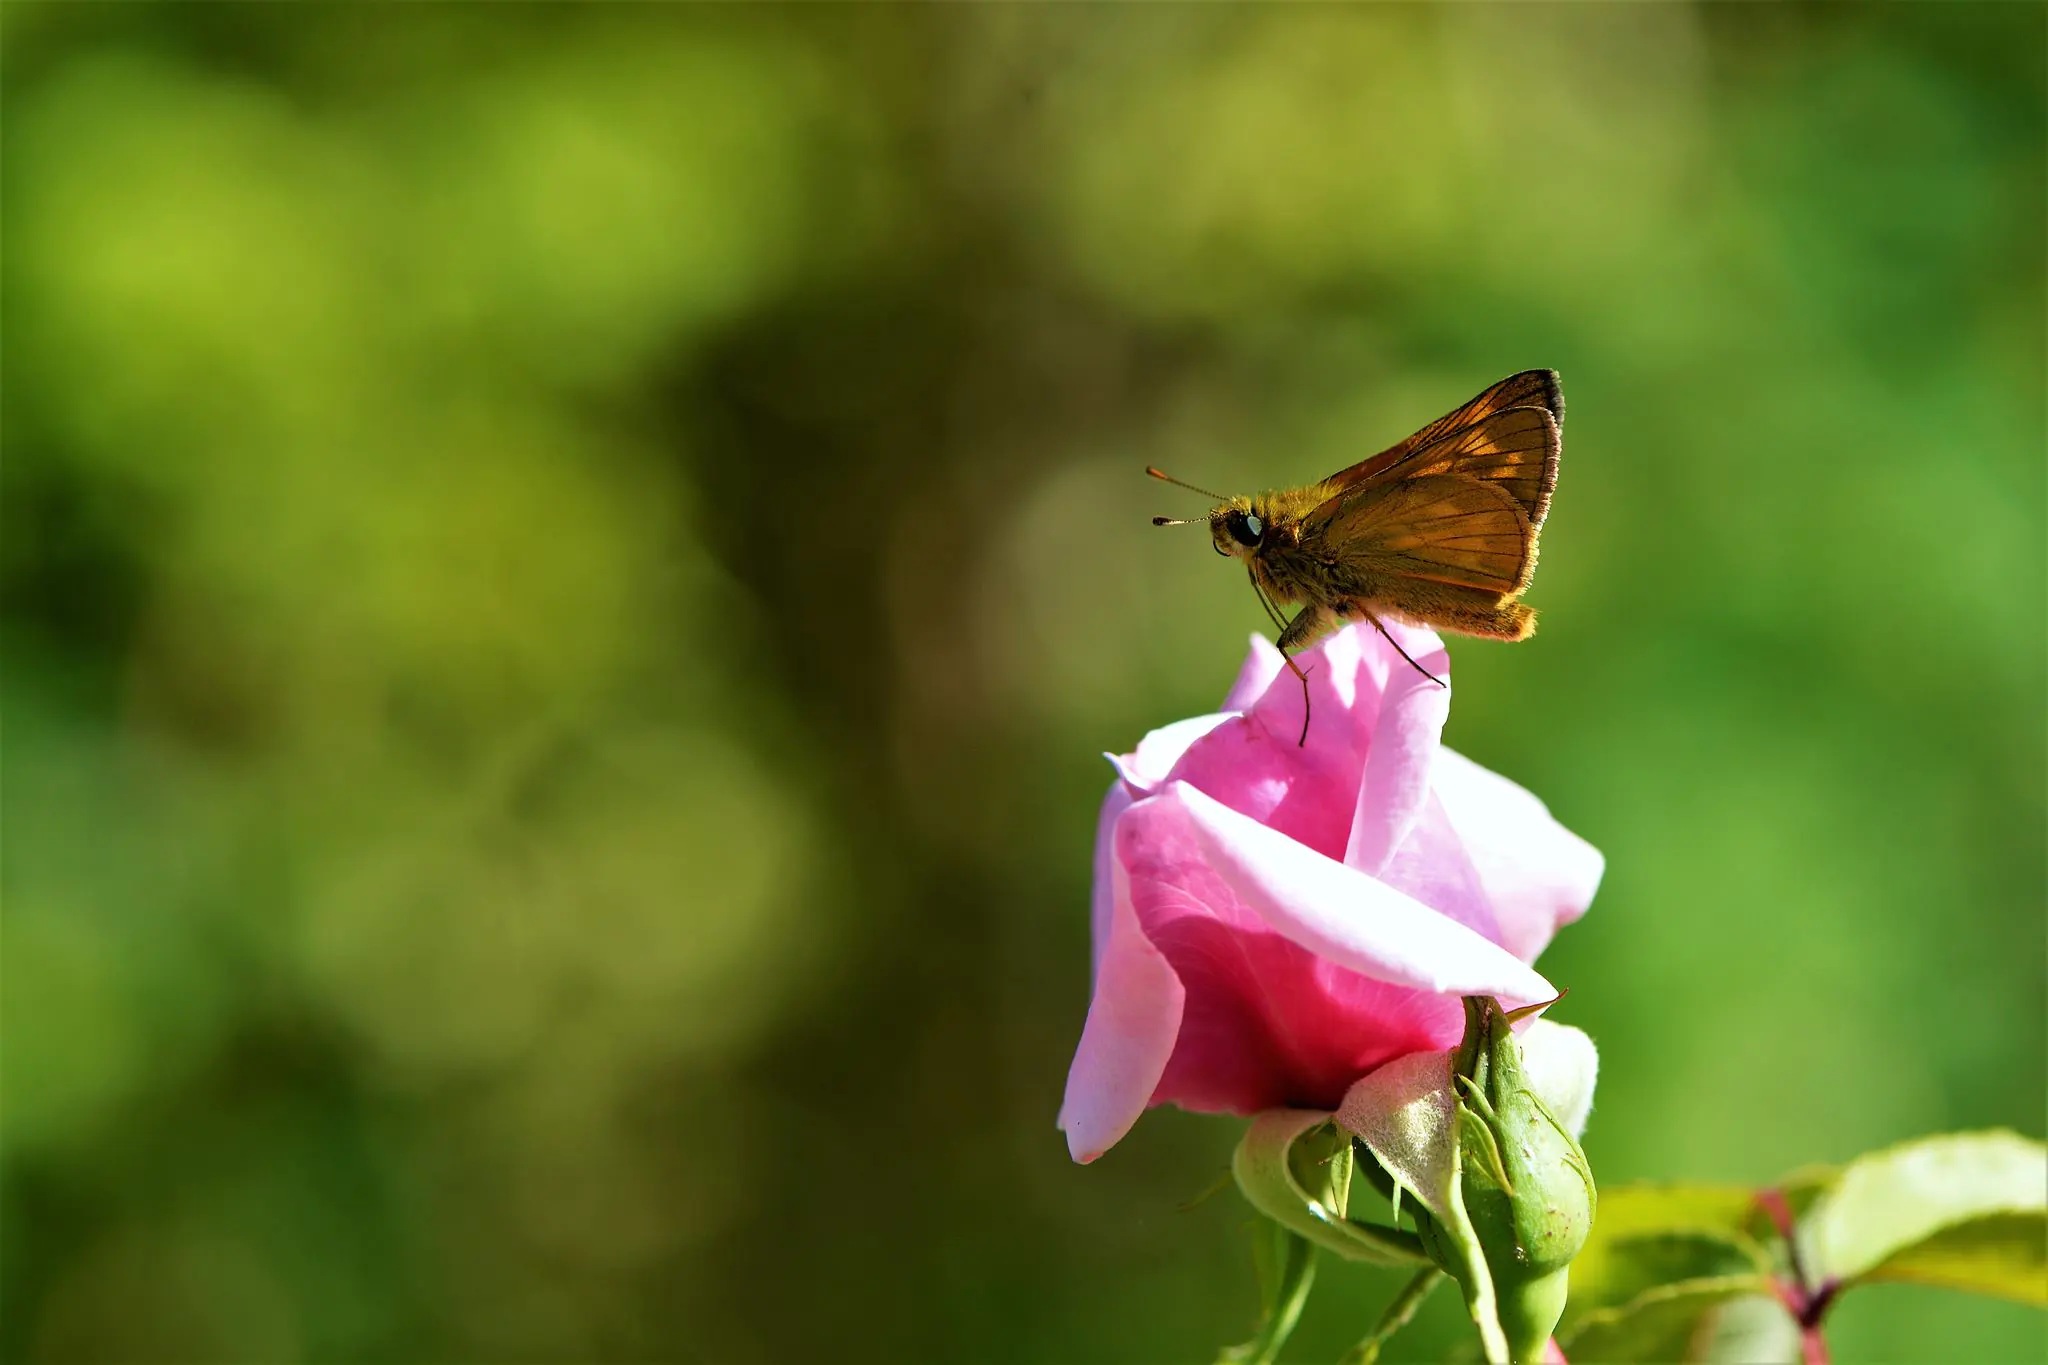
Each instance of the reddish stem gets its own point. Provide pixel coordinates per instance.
(1806, 1301)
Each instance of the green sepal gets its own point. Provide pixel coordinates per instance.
(1527, 1189)
(1295, 1166)
(1454, 1245)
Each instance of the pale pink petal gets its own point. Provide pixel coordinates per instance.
(1348, 918)
(1539, 875)
(1158, 751)
(1406, 735)
(1132, 1023)
(1432, 866)
(1259, 767)
(1562, 1066)
(1115, 802)
(1341, 711)
(1260, 667)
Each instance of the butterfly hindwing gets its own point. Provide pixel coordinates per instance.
(1441, 528)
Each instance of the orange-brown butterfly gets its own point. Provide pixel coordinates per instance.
(1440, 529)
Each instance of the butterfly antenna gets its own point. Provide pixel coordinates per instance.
(1181, 483)
(1180, 521)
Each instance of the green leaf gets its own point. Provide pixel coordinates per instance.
(1749, 1330)
(1672, 1322)
(2004, 1255)
(1294, 1166)
(1965, 1210)
(1397, 1316)
(1648, 1235)
(1627, 1210)
(1287, 1271)
(1616, 1271)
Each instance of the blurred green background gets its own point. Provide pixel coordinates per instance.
(567, 572)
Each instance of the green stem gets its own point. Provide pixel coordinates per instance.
(1397, 1316)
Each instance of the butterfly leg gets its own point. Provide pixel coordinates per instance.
(1402, 652)
(1308, 623)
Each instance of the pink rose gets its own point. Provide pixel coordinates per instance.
(1274, 922)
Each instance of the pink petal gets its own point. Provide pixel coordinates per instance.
(1332, 666)
(1260, 667)
(1132, 1023)
(1407, 732)
(1348, 918)
(1115, 802)
(1433, 866)
(1159, 751)
(1265, 1021)
(1306, 794)
(1538, 875)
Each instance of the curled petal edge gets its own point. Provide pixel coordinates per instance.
(1347, 917)
(1395, 784)
(1132, 1024)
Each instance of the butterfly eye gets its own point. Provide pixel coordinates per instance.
(1245, 528)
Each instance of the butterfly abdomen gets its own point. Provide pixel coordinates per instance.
(1446, 606)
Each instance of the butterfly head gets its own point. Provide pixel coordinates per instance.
(1237, 528)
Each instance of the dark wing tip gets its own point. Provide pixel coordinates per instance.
(1550, 391)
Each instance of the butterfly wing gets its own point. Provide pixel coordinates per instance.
(1529, 389)
(1440, 528)
(1515, 449)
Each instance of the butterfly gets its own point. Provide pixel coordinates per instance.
(1439, 530)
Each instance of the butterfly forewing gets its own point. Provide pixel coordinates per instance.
(1443, 528)
(1515, 449)
(1529, 389)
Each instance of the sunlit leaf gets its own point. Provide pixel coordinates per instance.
(1967, 1210)
(1648, 1235)
(1626, 1210)
(2001, 1254)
